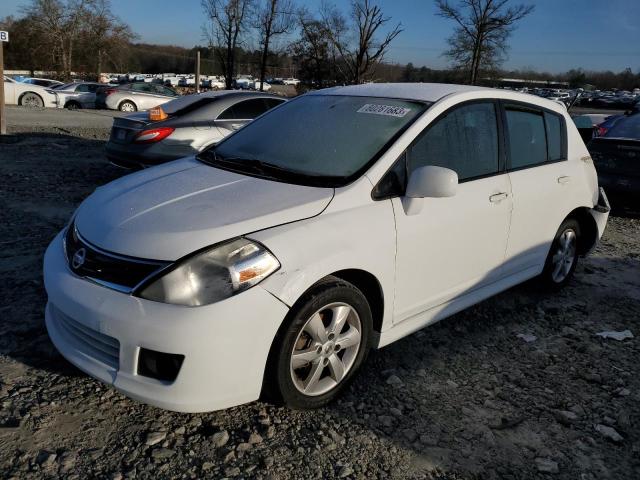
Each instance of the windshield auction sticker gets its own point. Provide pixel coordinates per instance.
(387, 110)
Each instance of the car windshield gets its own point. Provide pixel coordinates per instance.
(628, 127)
(322, 140)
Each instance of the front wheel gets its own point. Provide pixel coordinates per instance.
(326, 339)
(128, 106)
(562, 259)
(31, 100)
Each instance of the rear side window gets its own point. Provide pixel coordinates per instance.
(527, 137)
(465, 140)
(245, 110)
(554, 126)
(272, 102)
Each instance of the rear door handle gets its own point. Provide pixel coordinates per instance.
(498, 197)
(564, 179)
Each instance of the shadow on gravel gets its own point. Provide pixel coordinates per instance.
(45, 177)
(625, 206)
(486, 390)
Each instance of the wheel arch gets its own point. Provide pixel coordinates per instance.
(588, 229)
(124, 100)
(370, 287)
(27, 92)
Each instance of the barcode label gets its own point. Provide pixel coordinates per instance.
(387, 110)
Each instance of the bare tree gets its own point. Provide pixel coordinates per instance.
(273, 18)
(479, 41)
(59, 23)
(105, 33)
(226, 23)
(363, 51)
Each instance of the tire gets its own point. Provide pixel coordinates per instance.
(127, 106)
(562, 259)
(323, 370)
(31, 100)
(72, 106)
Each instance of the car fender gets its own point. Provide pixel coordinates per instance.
(352, 233)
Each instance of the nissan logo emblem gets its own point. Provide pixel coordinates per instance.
(78, 258)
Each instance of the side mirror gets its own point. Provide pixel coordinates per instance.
(431, 182)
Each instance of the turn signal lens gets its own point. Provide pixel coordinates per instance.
(157, 113)
(153, 135)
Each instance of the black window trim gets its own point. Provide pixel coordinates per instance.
(502, 152)
(524, 106)
(264, 101)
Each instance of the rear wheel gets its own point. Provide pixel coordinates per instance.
(72, 106)
(326, 339)
(563, 256)
(127, 106)
(31, 100)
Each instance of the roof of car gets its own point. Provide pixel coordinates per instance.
(427, 92)
(432, 92)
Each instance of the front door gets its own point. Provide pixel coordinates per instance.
(457, 244)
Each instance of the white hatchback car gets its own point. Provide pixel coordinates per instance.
(343, 220)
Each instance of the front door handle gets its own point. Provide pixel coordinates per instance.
(564, 179)
(498, 197)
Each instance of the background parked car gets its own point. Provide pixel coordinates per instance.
(41, 82)
(77, 95)
(194, 122)
(133, 97)
(587, 124)
(28, 95)
(616, 156)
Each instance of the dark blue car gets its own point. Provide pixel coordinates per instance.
(616, 156)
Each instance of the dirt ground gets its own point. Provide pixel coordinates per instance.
(517, 387)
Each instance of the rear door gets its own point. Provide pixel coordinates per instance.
(545, 184)
(9, 92)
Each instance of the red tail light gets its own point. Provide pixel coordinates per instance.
(109, 91)
(153, 135)
(600, 131)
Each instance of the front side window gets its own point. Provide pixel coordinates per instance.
(464, 140)
(527, 137)
(324, 140)
(82, 88)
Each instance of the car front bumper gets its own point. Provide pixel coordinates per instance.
(101, 331)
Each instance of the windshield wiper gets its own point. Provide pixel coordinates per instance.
(250, 165)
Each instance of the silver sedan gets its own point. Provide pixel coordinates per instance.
(134, 97)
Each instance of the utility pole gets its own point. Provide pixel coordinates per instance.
(198, 71)
(4, 37)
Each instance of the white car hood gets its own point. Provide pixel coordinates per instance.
(169, 211)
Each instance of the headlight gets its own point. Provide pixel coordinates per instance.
(213, 275)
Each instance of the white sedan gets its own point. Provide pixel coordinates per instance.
(275, 261)
(25, 94)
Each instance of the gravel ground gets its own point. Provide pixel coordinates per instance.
(517, 387)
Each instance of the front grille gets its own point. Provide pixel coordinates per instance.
(115, 271)
(97, 345)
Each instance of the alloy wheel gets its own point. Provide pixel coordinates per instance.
(31, 100)
(325, 349)
(565, 255)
